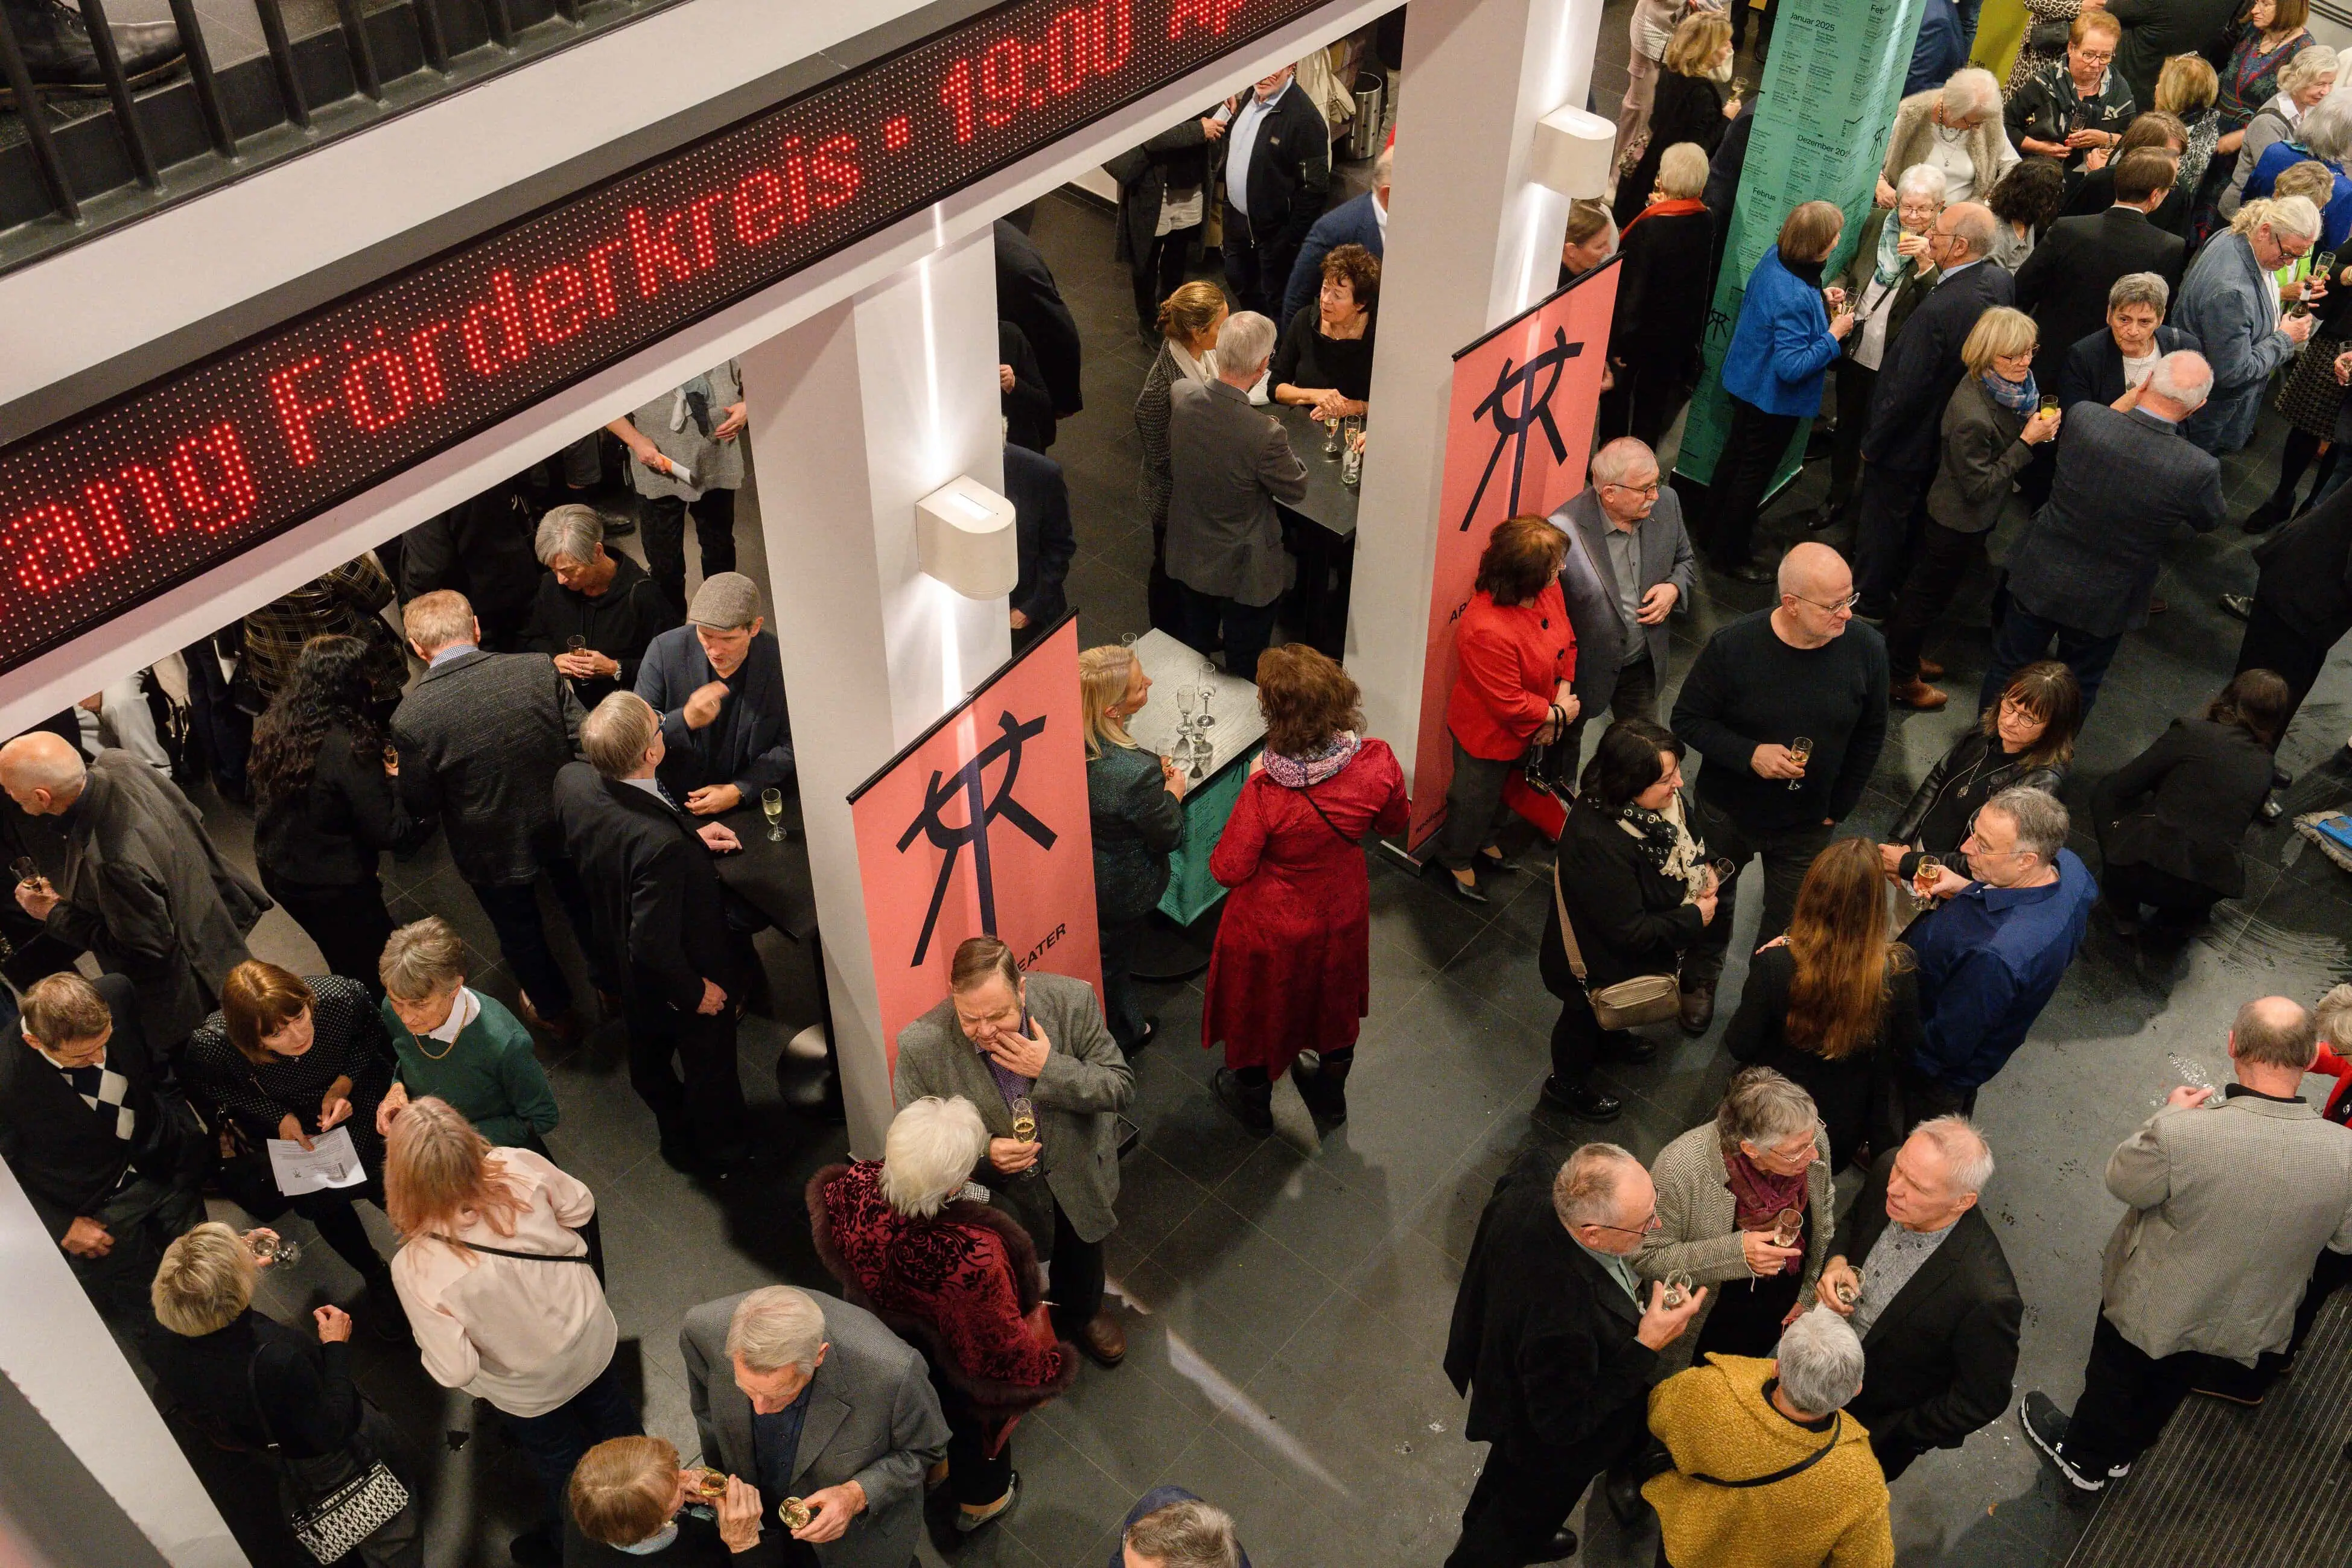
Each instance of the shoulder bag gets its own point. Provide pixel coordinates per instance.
(1837, 1423)
(1628, 1004)
(346, 1503)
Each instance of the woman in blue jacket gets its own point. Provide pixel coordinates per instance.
(1772, 372)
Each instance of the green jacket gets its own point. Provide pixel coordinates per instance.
(488, 1073)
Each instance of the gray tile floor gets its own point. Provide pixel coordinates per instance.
(1287, 1303)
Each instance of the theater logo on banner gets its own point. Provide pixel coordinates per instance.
(1526, 396)
(979, 827)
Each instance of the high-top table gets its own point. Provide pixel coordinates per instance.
(1216, 761)
(1320, 530)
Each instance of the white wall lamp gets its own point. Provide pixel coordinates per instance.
(1572, 152)
(964, 536)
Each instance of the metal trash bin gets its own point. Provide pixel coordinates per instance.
(1372, 98)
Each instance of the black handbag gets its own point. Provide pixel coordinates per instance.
(1551, 765)
(334, 1501)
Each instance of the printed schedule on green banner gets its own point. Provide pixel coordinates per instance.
(1830, 91)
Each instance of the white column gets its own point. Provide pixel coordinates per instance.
(856, 413)
(1471, 242)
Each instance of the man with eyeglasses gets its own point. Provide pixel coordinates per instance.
(1992, 951)
(1802, 672)
(1632, 532)
(1557, 1344)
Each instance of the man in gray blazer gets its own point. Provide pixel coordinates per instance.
(1018, 1044)
(805, 1396)
(2228, 1208)
(2084, 568)
(1229, 464)
(1633, 531)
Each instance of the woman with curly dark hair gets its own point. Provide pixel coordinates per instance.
(1324, 360)
(325, 805)
(2025, 202)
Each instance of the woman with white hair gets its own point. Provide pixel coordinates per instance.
(2325, 135)
(2230, 304)
(595, 610)
(914, 1241)
(1727, 1190)
(1955, 128)
(1662, 303)
(1884, 280)
(2302, 82)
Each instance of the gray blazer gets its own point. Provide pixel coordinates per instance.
(1696, 1214)
(873, 1418)
(1984, 452)
(1228, 464)
(1086, 1084)
(142, 887)
(1665, 557)
(2125, 481)
(481, 738)
(2232, 307)
(2229, 1206)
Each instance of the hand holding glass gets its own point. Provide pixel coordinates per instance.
(1924, 880)
(269, 1249)
(1800, 752)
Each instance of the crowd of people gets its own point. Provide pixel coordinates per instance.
(1712, 1335)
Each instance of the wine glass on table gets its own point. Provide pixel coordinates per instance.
(772, 805)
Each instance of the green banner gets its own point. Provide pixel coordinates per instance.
(1831, 86)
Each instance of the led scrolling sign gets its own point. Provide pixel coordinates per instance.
(104, 511)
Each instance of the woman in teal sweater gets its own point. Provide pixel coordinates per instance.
(456, 1044)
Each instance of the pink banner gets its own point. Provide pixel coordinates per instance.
(1525, 399)
(981, 828)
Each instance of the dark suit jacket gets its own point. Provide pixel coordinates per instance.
(2307, 571)
(2094, 371)
(1041, 519)
(2183, 805)
(2155, 30)
(1922, 365)
(1230, 463)
(2097, 193)
(1026, 297)
(1028, 408)
(1666, 557)
(1939, 1361)
(482, 549)
(66, 1155)
(1289, 175)
(749, 745)
(655, 909)
(480, 737)
(1354, 222)
(2063, 284)
(2089, 558)
(1543, 1339)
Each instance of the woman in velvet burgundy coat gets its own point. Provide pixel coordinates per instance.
(1291, 971)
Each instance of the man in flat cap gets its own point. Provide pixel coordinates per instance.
(718, 682)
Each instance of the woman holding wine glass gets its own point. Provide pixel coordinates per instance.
(1744, 1207)
(2023, 741)
(1135, 799)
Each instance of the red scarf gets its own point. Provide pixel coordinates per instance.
(1669, 209)
(1759, 1195)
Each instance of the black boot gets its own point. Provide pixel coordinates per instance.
(1251, 1103)
(58, 51)
(1324, 1087)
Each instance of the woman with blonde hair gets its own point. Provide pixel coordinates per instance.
(628, 1497)
(1832, 1005)
(1592, 239)
(499, 1291)
(250, 1383)
(1188, 319)
(1134, 798)
(1991, 426)
(1291, 971)
(2186, 89)
(1689, 105)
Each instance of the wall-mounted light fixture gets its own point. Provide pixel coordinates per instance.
(964, 536)
(1572, 152)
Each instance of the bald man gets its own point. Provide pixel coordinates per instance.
(139, 884)
(2226, 1210)
(1803, 671)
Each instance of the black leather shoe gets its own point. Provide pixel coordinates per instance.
(1250, 1104)
(1583, 1101)
(57, 50)
(1467, 892)
(1624, 1045)
(2237, 606)
(1623, 1488)
(1562, 1546)
(1697, 1009)
(2266, 517)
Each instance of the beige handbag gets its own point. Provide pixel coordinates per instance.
(1628, 1004)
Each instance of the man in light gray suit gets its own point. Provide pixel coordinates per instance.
(1229, 464)
(805, 1396)
(2082, 571)
(1034, 1045)
(1632, 529)
(2228, 1208)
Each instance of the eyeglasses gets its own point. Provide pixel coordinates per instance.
(1649, 489)
(1646, 1227)
(1848, 602)
(2092, 57)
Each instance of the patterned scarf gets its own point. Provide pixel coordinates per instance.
(1891, 265)
(1303, 772)
(1659, 838)
(1759, 1195)
(2021, 398)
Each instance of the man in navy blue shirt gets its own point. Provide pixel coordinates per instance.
(718, 682)
(1990, 956)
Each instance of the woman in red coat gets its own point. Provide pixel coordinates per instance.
(1515, 654)
(1291, 971)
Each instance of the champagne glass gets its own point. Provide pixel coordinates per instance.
(1922, 881)
(1127, 639)
(1802, 750)
(1207, 720)
(1724, 870)
(1846, 1290)
(27, 873)
(1187, 698)
(1330, 437)
(270, 1250)
(1025, 1119)
(793, 1514)
(771, 805)
(1679, 1285)
(703, 1484)
(1787, 1226)
(1352, 460)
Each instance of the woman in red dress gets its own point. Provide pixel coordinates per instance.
(1292, 967)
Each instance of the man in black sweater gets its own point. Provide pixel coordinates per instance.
(1804, 671)
(599, 596)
